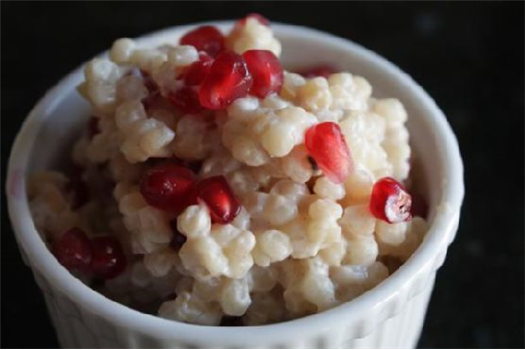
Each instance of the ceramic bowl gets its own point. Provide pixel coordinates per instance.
(389, 315)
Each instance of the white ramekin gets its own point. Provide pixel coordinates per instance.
(390, 315)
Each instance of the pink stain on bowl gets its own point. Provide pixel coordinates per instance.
(14, 188)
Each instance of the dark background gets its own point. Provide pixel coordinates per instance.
(468, 56)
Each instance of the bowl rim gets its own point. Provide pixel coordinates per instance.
(440, 234)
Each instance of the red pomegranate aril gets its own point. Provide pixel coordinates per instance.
(227, 81)
(206, 38)
(185, 99)
(390, 201)
(260, 18)
(197, 71)
(73, 250)
(218, 197)
(326, 145)
(317, 71)
(167, 186)
(108, 260)
(266, 71)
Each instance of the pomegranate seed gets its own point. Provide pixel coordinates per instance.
(167, 186)
(178, 239)
(390, 201)
(218, 197)
(206, 38)
(326, 145)
(419, 206)
(317, 71)
(227, 81)
(186, 100)
(266, 71)
(260, 18)
(197, 71)
(73, 250)
(108, 259)
(93, 127)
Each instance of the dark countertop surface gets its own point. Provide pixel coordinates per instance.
(468, 56)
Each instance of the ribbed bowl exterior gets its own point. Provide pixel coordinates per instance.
(396, 323)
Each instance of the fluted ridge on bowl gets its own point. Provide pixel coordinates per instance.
(384, 326)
